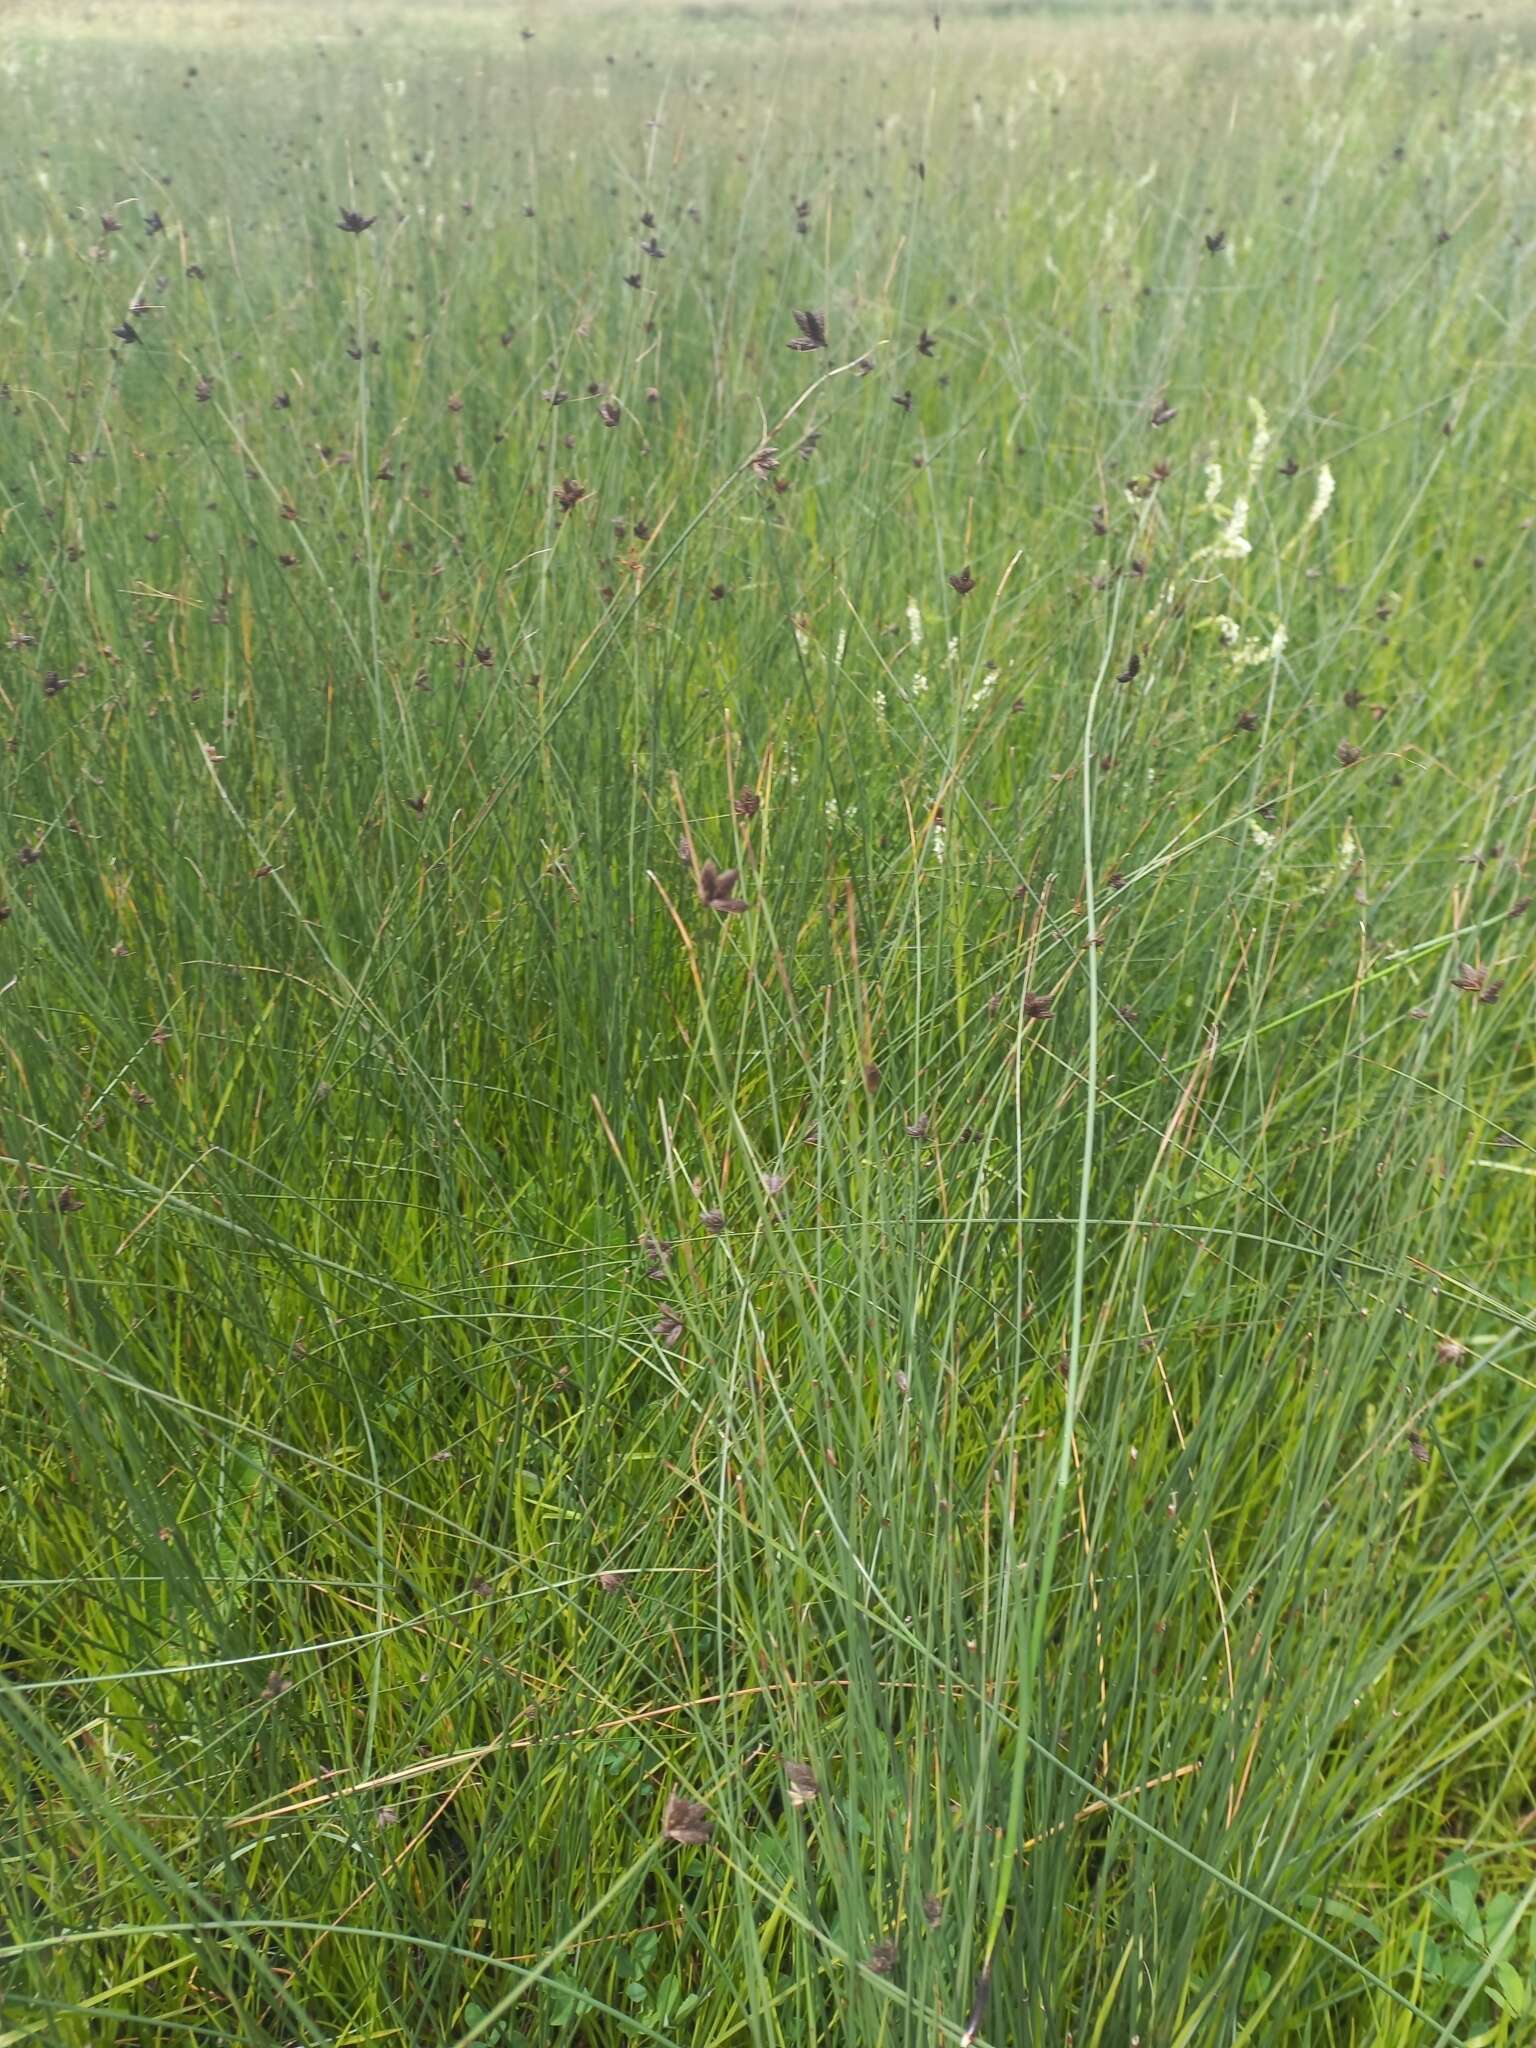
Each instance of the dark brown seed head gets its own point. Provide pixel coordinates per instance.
(1348, 753)
(1214, 244)
(813, 331)
(904, 400)
(748, 803)
(686, 1821)
(1162, 414)
(962, 582)
(804, 1789)
(715, 889)
(883, 1957)
(352, 223)
(925, 343)
(872, 1079)
(1037, 1008)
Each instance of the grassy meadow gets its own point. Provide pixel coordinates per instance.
(767, 1196)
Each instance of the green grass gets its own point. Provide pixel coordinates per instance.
(1030, 1321)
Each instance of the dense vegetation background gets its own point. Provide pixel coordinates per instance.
(930, 1439)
